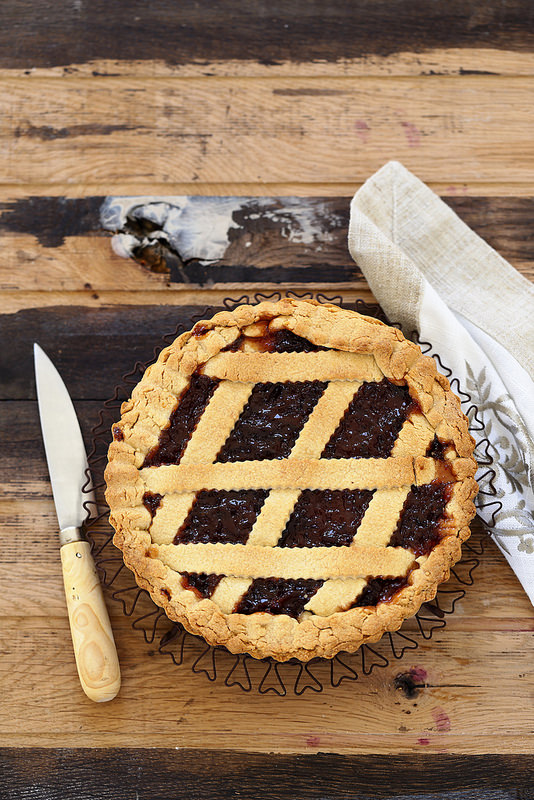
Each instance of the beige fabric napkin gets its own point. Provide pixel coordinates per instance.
(433, 274)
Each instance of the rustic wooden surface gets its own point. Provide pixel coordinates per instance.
(294, 99)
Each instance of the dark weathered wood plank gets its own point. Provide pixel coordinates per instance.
(22, 460)
(52, 219)
(65, 33)
(92, 348)
(278, 240)
(55, 774)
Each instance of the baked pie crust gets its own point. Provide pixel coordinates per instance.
(291, 479)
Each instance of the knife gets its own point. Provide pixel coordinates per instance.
(92, 637)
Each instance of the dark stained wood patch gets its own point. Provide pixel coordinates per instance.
(51, 219)
(506, 223)
(157, 774)
(195, 272)
(69, 33)
(92, 348)
(22, 457)
(296, 240)
(271, 240)
(48, 133)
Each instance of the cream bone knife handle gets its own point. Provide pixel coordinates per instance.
(92, 637)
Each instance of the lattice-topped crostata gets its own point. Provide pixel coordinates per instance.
(291, 479)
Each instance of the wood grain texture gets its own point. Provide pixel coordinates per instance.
(46, 774)
(65, 34)
(82, 335)
(288, 188)
(460, 706)
(487, 711)
(57, 243)
(92, 636)
(196, 130)
(14, 301)
(284, 99)
(457, 707)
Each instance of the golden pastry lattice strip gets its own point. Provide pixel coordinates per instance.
(217, 422)
(311, 442)
(273, 517)
(414, 437)
(249, 561)
(229, 592)
(290, 473)
(170, 516)
(213, 429)
(335, 595)
(381, 517)
(328, 365)
(324, 419)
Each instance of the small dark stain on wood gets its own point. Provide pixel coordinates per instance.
(308, 92)
(463, 71)
(48, 133)
(52, 219)
(406, 682)
(202, 139)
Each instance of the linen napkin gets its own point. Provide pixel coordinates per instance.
(431, 273)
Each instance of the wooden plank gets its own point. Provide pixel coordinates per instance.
(203, 33)
(107, 341)
(14, 301)
(426, 62)
(23, 470)
(266, 130)
(59, 245)
(53, 774)
(458, 706)
(125, 187)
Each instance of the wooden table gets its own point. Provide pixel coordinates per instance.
(272, 100)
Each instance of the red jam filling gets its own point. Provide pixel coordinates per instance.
(327, 518)
(282, 341)
(268, 428)
(380, 590)
(271, 421)
(184, 419)
(372, 422)
(418, 528)
(436, 449)
(277, 596)
(201, 584)
(222, 517)
(152, 501)
(118, 434)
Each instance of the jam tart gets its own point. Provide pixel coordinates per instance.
(291, 479)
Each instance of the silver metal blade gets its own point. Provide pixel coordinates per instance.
(65, 451)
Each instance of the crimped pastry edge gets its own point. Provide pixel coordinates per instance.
(280, 636)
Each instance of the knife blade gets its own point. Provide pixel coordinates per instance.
(92, 637)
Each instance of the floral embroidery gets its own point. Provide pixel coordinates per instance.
(508, 439)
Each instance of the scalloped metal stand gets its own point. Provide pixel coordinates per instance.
(247, 673)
